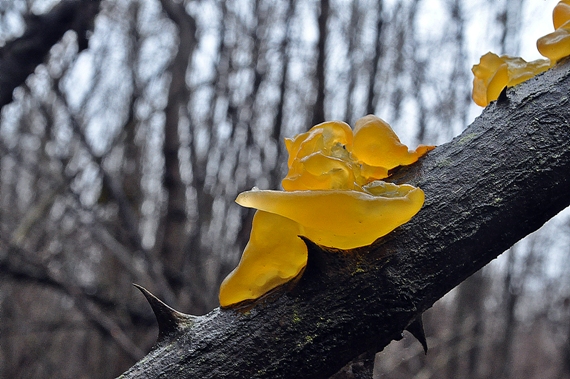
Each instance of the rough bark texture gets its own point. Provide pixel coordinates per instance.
(506, 175)
(20, 57)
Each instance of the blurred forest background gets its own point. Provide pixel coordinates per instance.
(120, 161)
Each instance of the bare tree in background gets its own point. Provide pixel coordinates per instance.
(124, 142)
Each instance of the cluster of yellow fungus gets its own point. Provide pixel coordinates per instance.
(494, 73)
(333, 195)
(556, 45)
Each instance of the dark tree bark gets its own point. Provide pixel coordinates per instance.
(506, 175)
(19, 58)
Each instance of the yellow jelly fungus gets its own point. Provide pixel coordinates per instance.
(273, 256)
(343, 219)
(490, 77)
(376, 145)
(333, 196)
(332, 156)
(494, 73)
(319, 159)
(561, 14)
(322, 137)
(521, 70)
(555, 45)
(318, 171)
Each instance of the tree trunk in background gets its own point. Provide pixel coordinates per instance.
(174, 223)
(465, 346)
(565, 369)
(377, 57)
(320, 85)
(277, 171)
(354, 65)
(511, 292)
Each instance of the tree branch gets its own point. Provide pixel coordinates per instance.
(19, 57)
(14, 264)
(500, 180)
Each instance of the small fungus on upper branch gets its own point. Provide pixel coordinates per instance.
(493, 73)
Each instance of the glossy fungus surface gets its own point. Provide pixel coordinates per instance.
(494, 73)
(333, 195)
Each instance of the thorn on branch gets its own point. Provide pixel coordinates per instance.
(416, 328)
(171, 323)
(503, 98)
(326, 262)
